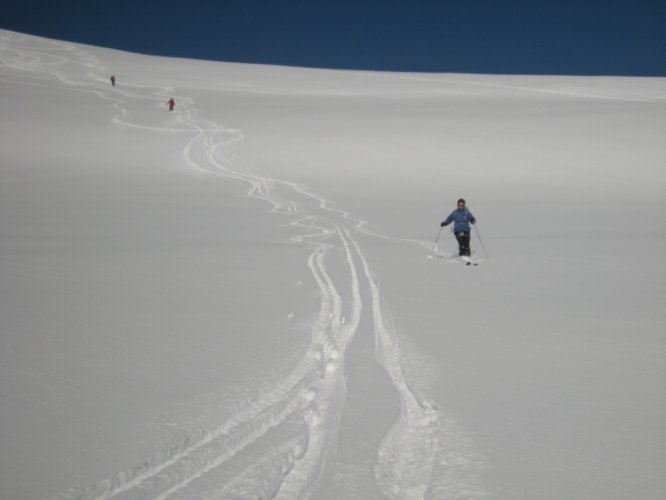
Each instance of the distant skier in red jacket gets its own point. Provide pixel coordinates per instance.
(171, 103)
(113, 80)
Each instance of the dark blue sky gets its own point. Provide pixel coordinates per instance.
(580, 37)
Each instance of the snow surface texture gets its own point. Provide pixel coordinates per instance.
(235, 299)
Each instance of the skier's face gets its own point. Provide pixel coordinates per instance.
(461, 205)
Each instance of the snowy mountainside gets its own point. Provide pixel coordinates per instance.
(235, 299)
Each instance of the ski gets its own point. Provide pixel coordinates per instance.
(468, 261)
(464, 259)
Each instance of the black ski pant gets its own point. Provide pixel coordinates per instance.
(463, 243)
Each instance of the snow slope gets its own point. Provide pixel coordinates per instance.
(236, 299)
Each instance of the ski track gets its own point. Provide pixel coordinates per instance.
(277, 444)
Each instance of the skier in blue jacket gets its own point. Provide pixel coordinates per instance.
(461, 218)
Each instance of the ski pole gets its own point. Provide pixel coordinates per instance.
(481, 241)
(436, 240)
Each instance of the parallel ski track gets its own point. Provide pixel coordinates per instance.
(306, 402)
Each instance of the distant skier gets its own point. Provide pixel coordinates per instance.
(171, 103)
(462, 218)
(113, 80)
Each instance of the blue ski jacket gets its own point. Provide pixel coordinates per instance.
(461, 217)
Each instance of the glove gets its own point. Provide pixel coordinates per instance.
(473, 222)
(443, 224)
